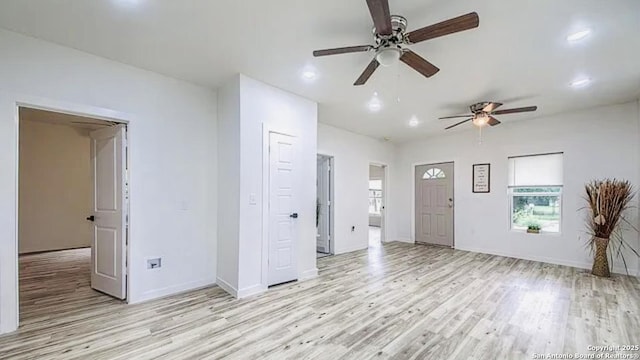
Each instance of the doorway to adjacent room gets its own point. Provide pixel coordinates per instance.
(72, 212)
(377, 194)
(324, 206)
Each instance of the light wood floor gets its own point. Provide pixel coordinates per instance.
(393, 302)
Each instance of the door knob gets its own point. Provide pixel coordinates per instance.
(294, 215)
(91, 218)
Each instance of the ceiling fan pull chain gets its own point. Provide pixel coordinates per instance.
(397, 68)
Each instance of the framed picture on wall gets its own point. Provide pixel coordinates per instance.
(481, 178)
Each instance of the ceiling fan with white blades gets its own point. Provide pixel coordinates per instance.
(482, 114)
(391, 40)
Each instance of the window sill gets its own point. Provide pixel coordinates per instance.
(546, 233)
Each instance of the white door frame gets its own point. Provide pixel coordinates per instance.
(332, 202)
(10, 316)
(385, 196)
(413, 196)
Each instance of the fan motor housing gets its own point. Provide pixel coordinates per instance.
(399, 26)
(477, 107)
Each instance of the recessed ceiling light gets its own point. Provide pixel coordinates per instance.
(375, 104)
(580, 82)
(414, 122)
(580, 35)
(309, 74)
(127, 3)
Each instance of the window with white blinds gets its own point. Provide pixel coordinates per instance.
(535, 192)
(535, 170)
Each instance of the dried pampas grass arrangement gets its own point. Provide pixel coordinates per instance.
(608, 200)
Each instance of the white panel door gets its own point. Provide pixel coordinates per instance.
(323, 205)
(434, 204)
(108, 255)
(282, 209)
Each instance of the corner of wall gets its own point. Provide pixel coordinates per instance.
(227, 287)
(308, 274)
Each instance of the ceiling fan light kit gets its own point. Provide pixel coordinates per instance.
(481, 120)
(482, 114)
(391, 40)
(388, 56)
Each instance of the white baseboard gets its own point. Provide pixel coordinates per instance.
(404, 240)
(544, 259)
(227, 287)
(250, 291)
(351, 249)
(6, 328)
(309, 274)
(172, 290)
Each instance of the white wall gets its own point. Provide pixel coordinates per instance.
(352, 155)
(172, 156)
(55, 187)
(228, 184)
(263, 108)
(597, 143)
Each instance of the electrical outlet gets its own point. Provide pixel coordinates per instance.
(353, 228)
(154, 263)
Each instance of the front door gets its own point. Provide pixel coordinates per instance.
(283, 211)
(108, 255)
(434, 204)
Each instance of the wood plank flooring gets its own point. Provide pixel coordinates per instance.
(397, 301)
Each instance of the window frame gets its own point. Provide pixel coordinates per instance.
(511, 194)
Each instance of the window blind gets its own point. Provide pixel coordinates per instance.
(535, 170)
(375, 184)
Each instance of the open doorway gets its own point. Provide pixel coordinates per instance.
(324, 206)
(72, 212)
(377, 181)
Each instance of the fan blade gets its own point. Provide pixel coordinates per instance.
(366, 74)
(460, 23)
(493, 121)
(516, 110)
(342, 50)
(381, 16)
(455, 116)
(491, 107)
(419, 63)
(460, 123)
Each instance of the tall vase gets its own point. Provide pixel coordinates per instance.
(600, 262)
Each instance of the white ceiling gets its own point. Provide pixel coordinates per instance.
(518, 54)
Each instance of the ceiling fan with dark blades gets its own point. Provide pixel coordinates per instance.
(391, 38)
(482, 114)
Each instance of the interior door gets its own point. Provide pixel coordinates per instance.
(283, 212)
(434, 204)
(108, 255)
(324, 203)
